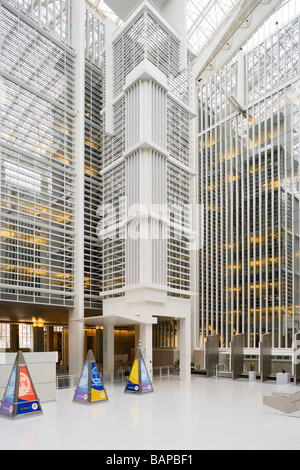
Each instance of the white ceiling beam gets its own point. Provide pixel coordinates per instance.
(233, 35)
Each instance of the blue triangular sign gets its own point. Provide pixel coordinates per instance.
(90, 388)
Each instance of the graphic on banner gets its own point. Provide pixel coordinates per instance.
(133, 382)
(82, 392)
(139, 379)
(145, 379)
(98, 392)
(90, 388)
(27, 399)
(7, 406)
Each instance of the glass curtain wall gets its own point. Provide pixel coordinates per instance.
(95, 35)
(249, 186)
(36, 152)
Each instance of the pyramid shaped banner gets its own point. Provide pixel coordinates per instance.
(90, 388)
(139, 380)
(20, 398)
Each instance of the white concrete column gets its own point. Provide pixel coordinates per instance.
(108, 349)
(137, 336)
(185, 349)
(76, 329)
(146, 346)
(146, 259)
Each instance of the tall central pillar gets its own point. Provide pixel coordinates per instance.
(147, 173)
(146, 177)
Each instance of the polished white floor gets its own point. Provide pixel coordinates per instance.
(204, 414)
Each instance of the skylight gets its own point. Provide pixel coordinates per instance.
(104, 10)
(205, 17)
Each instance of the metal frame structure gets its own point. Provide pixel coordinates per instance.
(206, 18)
(249, 185)
(37, 155)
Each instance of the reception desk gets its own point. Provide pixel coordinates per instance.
(42, 369)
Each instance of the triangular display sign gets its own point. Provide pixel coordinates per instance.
(90, 388)
(20, 398)
(139, 379)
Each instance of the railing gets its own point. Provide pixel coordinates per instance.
(66, 381)
(164, 371)
(222, 368)
(71, 381)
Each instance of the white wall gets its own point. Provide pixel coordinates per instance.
(42, 369)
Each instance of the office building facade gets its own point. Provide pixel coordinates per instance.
(249, 186)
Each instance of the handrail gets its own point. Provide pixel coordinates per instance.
(217, 368)
(71, 381)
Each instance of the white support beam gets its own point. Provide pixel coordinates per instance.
(76, 329)
(234, 34)
(108, 349)
(185, 349)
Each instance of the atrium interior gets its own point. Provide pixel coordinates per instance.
(149, 190)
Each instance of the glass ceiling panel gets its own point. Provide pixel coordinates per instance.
(104, 10)
(205, 18)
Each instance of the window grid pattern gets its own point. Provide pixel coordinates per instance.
(37, 175)
(249, 186)
(178, 237)
(54, 15)
(273, 62)
(113, 225)
(114, 146)
(178, 132)
(147, 39)
(30, 57)
(113, 217)
(93, 186)
(95, 38)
